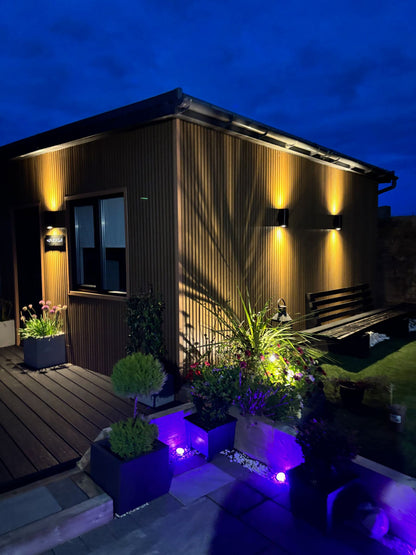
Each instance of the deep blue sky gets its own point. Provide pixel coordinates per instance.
(340, 73)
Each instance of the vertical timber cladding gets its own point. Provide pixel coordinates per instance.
(141, 163)
(225, 185)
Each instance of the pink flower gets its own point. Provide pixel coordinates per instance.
(45, 307)
(42, 302)
(207, 363)
(261, 357)
(243, 364)
(30, 305)
(48, 302)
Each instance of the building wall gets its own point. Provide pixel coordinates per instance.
(225, 184)
(396, 261)
(141, 163)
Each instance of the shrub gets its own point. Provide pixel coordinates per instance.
(144, 320)
(325, 447)
(132, 437)
(138, 374)
(213, 392)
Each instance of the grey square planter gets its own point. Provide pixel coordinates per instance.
(43, 352)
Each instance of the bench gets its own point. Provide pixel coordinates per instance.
(343, 318)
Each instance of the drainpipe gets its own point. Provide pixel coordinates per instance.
(390, 187)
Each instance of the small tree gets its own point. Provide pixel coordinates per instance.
(138, 374)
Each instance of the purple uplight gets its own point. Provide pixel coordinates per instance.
(280, 477)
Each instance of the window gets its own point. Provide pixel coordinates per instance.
(98, 246)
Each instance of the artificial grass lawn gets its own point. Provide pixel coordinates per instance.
(391, 362)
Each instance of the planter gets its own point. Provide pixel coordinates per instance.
(165, 396)
(43, 352)
(317, 503)
(131, 483)
(269, 442)
(351, 395)
(210, 440)
(7, 333)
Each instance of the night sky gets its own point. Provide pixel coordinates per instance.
(339, 73)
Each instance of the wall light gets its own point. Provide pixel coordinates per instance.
(337, 222)
(283, 217)
(54, 219)
(277, 217)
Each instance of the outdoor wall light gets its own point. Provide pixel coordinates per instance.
(276, 217)
(283, 217)
(281, 315)
(337, 222)
(54, 219)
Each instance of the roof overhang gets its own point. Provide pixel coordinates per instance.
(177, 104)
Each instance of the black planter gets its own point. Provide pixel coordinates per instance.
(315, 502)
(43, 352)
(351, 395)
(131, 483)
(210, 439)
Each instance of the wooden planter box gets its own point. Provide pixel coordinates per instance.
(316, 503)
(210, 440)
(43, 352)
(131, 483)
(7, 333)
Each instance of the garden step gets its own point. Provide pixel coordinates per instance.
(41, 516)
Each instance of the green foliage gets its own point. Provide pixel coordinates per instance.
(6, 310)
(138, 374)
(144, 320)
(213, 391)
(325, 447)
(277, 365)
(132, 437)
(50, 322)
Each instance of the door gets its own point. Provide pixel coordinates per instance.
(27, 256)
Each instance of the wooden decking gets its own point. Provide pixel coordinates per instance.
(48, 418)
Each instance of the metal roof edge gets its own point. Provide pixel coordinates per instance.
(177, 103)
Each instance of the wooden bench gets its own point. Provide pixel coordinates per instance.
(343, 318)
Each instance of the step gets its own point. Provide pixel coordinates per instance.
(46, 514)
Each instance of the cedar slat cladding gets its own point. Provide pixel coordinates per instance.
(141, 162)
(225, 185)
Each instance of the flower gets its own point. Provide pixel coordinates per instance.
(50, 322)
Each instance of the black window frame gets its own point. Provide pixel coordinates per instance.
(94, 201)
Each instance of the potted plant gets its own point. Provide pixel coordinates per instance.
(211, 429)
(7, 330)
(316, 483)
(139, 376)
(43, 336)
(132, 465)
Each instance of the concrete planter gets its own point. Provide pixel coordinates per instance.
(132, 483)
(269, 442)
(44, 352)
(7, 333)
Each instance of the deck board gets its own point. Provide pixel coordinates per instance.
(48, 418)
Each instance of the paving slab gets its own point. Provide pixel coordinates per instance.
(24, 508)
(198, 482)
(293, 535)
(201, 527)
(66, 493)
(236, 497)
